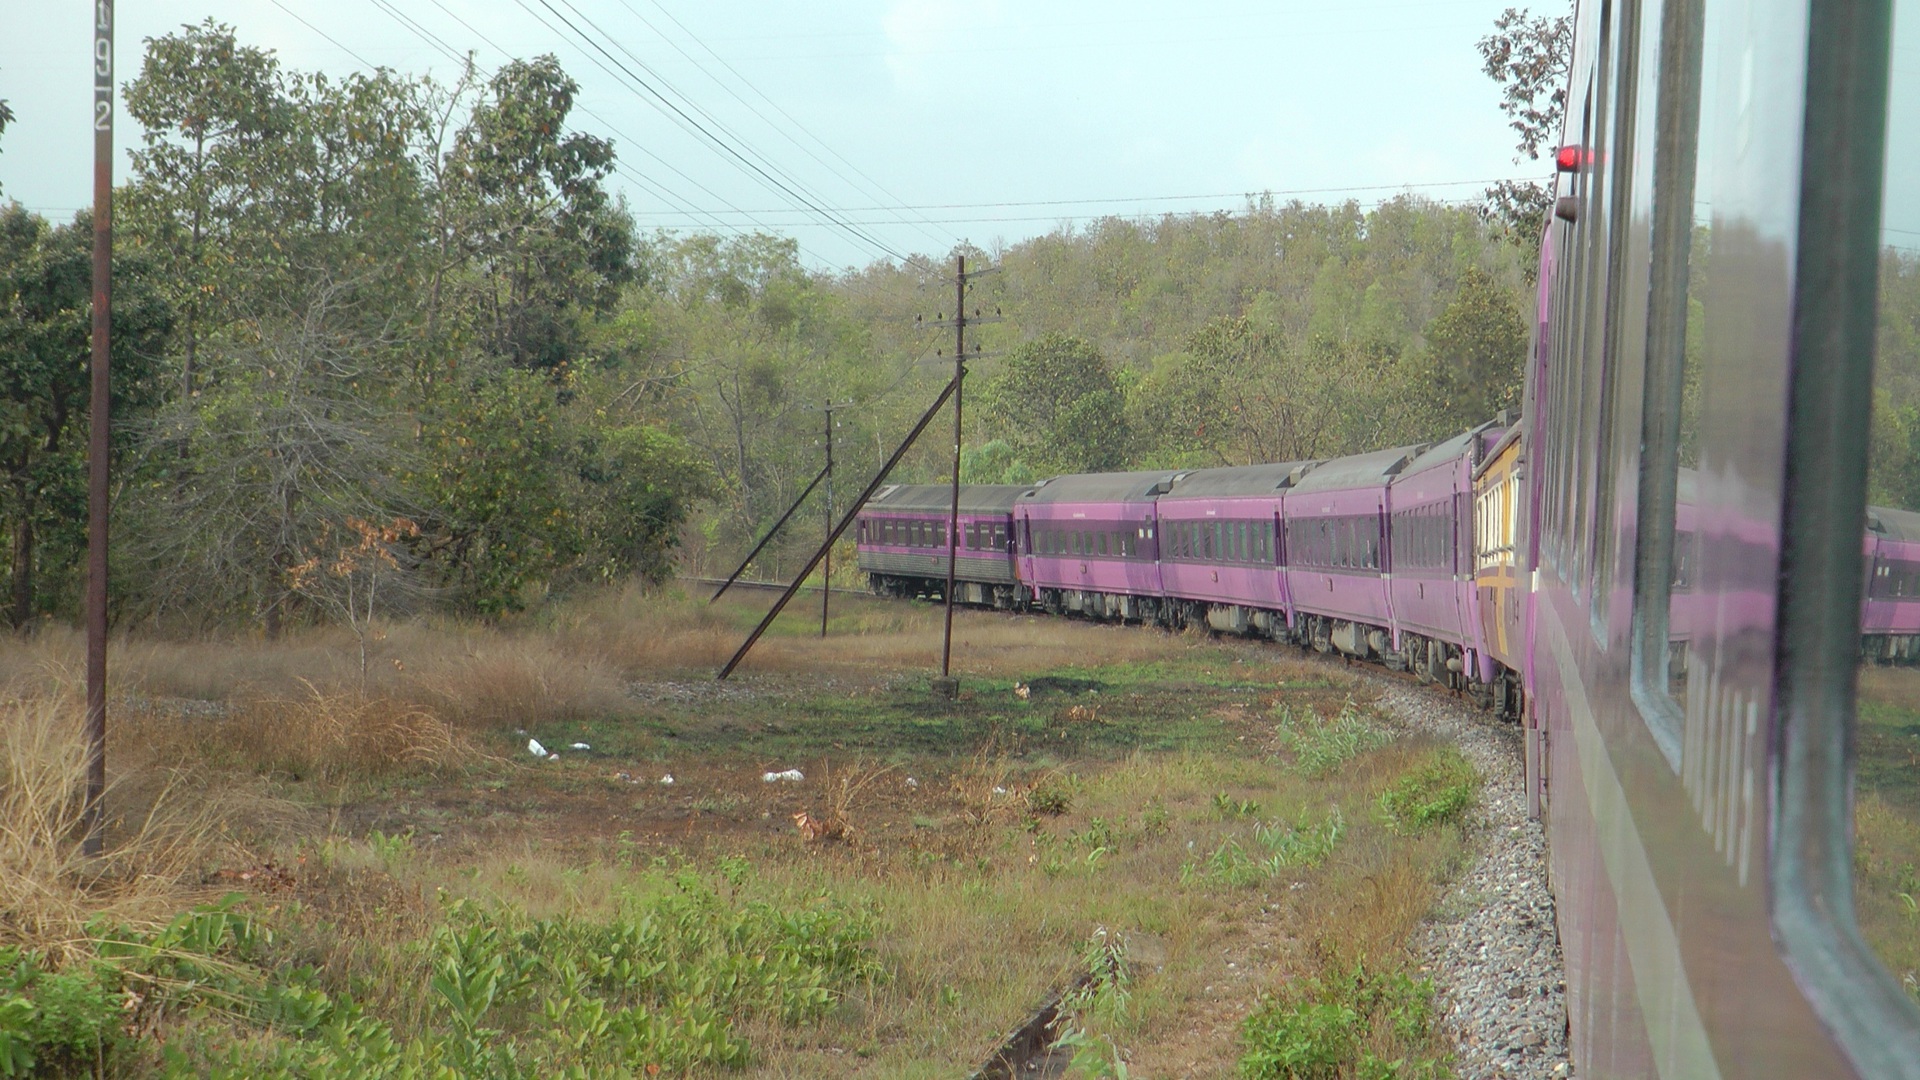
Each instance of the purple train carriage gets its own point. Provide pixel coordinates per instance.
(1220, 561)
(1891, 628)
(1088, 545)
(902, 539)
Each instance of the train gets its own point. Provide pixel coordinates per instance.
(1663, 569)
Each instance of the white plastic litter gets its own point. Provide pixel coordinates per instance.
(667, 779)
(789, 776)
(999, 791)
(579, 746)
(534, 748)
(911, 782)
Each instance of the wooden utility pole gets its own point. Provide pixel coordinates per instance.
(953, 510)
(826, 563)
(961, 279)
(101, 423)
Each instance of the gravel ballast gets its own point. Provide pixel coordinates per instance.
(1491, 947)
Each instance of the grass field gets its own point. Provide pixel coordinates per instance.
(1887, 819)
(1218, 848)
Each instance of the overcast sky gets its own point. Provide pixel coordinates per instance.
(987, 118)
(914, 122)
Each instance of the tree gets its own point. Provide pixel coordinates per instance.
(542, 242)
(46, 303)
(1058, 404)
(1477, 346)
(214, 114)
(1527, 56)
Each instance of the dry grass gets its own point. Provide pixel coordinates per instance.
(159, 841)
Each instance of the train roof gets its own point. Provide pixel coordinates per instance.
(1442, 452)
(1894, 524)
(974, 498)
(1241, 480)
(1100, 487)
(1360, 470)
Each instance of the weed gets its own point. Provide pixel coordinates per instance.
(1348, 1023)
(1155, 820)
(1052, 796)
(158, 841)
(1437, 790)
(1320, 746)
(1278, 847)
(1227, 808)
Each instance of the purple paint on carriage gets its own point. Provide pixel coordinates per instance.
(1087, 536)
(1893, 573)
(1429, 579)
(1219, 535)
(1335, 537)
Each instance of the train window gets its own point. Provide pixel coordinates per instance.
(1668, 98)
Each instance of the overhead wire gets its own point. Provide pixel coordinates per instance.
(647, 91)
(652, 186)
(796, 187)
(1013, 203)
(659, 190)
(873, 187)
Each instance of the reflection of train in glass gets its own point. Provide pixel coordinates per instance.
(1679, 644)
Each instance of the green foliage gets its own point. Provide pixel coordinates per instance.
(667, 982)
(541, 240)
(1059, 406)
(1052, 796)
(1478, 343)
(489, 468)
(1894, 461)
(995, 462)
(663, 985)
(1319, 746)
(1345, 1024)
(55, 1022)
(46, 304)
(1276, 848)
(1438, 790)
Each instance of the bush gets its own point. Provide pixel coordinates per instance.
(1438, 790)
(1354, 1023)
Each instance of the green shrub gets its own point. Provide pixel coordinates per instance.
(1439, 789)
(1355, 1023)
(56, 1023)
(1052, 796)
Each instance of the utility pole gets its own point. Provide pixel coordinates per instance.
(961, 279)
(93, 844)
(953, 510)
(826, 565)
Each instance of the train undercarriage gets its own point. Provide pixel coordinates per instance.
(1428, 659)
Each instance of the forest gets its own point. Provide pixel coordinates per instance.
(385, 345)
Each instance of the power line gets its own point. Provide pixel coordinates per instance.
(336, 43)
(1169, 198)
(895, 202)
(653, 187)
(661, 191)
(694, 126)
